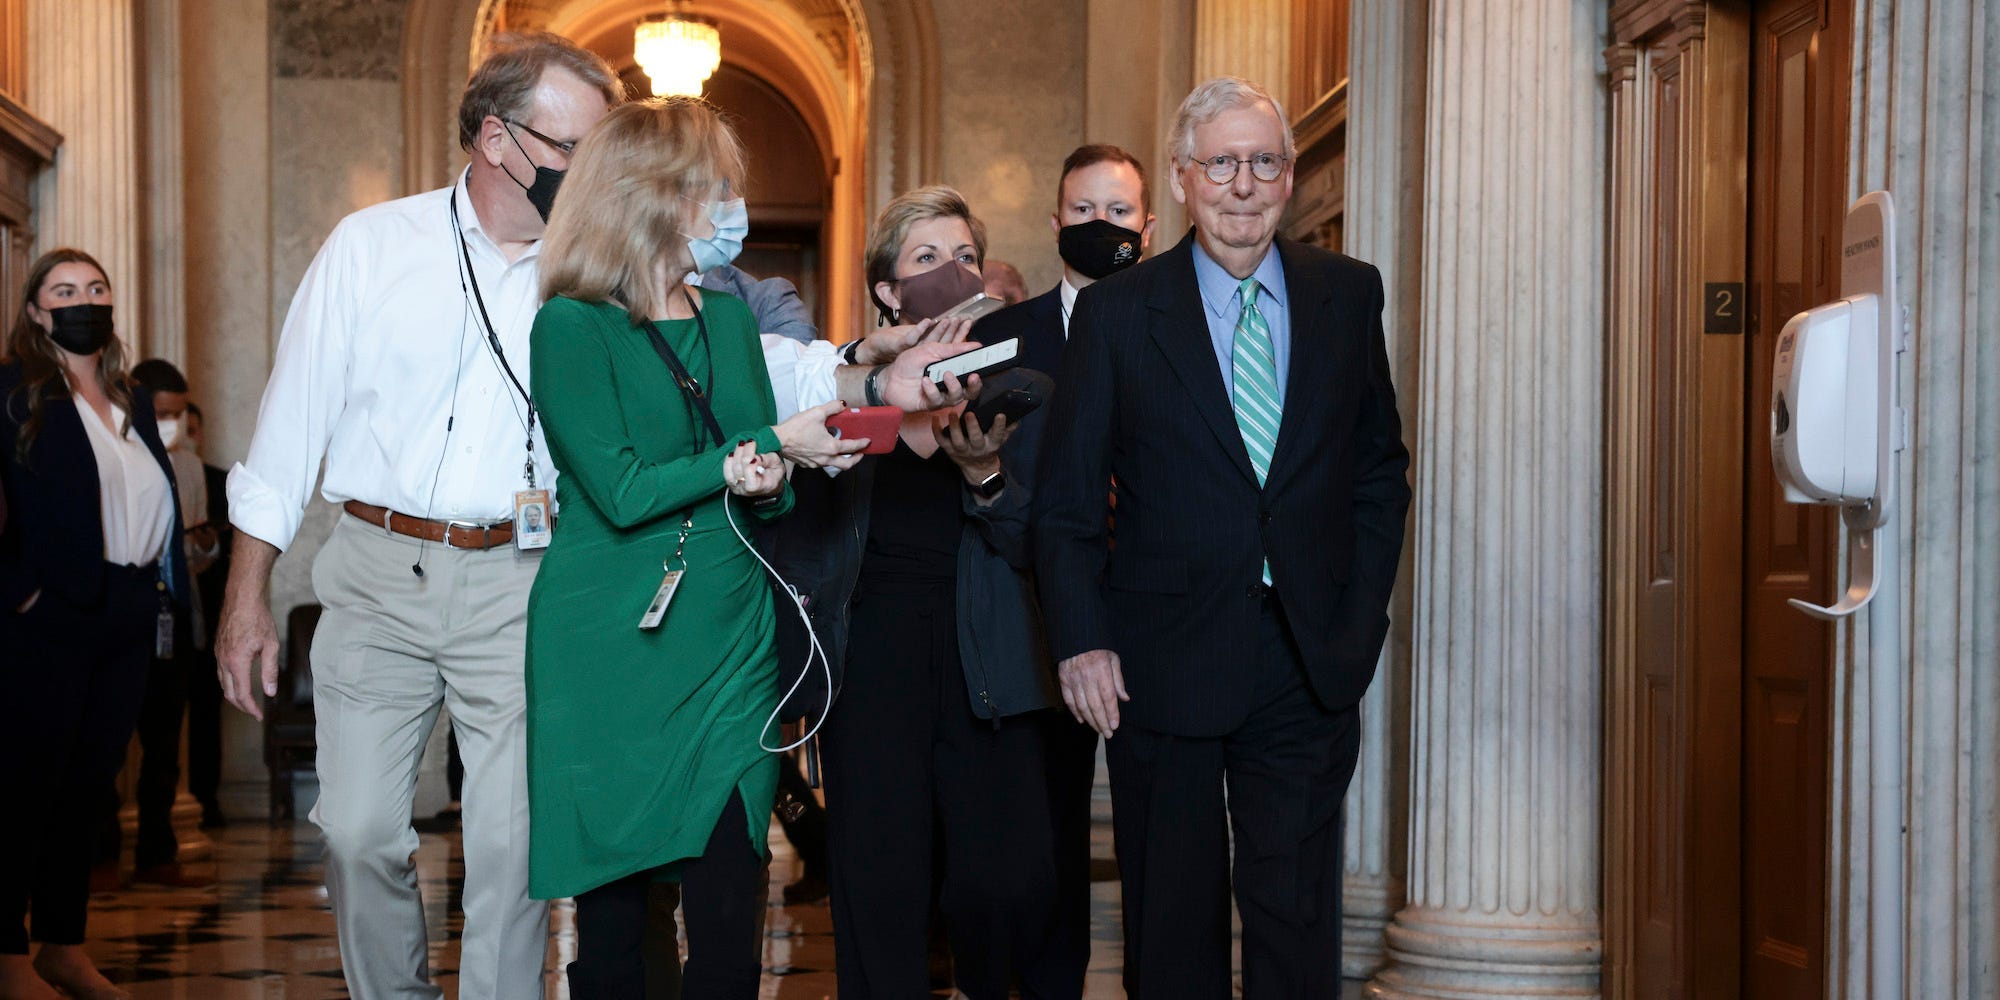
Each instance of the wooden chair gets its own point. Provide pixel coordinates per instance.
(289, 743)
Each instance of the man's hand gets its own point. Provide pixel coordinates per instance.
(247, 632)
(904, 386)
(884, 346)
(1092, 686)
(806, 441)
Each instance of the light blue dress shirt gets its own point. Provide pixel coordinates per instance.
(1222, 305)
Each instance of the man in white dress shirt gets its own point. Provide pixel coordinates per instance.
(403, 364)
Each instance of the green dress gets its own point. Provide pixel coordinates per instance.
(637, 738)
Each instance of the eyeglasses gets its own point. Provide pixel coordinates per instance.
(1221, 168)
(565, 148)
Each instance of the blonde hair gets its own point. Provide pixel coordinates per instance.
(892, 227)
(634, 186)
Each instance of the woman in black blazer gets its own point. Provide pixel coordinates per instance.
(90, 575)
(921, 591)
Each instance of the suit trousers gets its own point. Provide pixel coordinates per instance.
(1285, 768)
(160, 749)
(904, 756)
(391, 648)
(73, 680)
(723, 897)
(1072, 750)
(204, 726)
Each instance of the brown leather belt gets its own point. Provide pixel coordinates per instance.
(454, 534)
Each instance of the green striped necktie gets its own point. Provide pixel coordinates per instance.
(1256, 388)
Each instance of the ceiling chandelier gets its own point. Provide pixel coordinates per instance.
(677, 51)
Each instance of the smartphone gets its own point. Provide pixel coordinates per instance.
(984, 361)
(1014, 404)
(978, 305)
(878, 424)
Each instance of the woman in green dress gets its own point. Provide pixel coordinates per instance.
(645, 739)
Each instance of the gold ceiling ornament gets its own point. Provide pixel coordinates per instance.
(678, 51)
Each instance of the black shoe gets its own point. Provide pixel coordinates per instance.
(810, 888)
(211, 816)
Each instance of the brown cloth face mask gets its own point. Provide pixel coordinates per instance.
(930, 294)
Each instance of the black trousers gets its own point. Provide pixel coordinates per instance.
(204, 725)
(73, 679)
(1072, 754)
(1286, 770)
(723, 900)
(159, 760)
(904, 755)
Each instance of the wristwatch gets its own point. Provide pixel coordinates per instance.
(990, 487)
(869, 390)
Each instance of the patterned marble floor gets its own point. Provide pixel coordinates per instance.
(265, 931)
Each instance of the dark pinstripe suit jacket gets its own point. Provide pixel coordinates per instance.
(1142, 400)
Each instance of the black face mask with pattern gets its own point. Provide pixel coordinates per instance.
(1099, 248)
(81, 330)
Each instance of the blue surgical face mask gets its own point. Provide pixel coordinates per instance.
(732, 223)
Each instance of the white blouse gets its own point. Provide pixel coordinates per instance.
(133, 495)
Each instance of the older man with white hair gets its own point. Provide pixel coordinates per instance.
(1235, 392)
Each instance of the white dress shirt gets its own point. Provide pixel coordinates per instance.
(801, 374)
(134, 499)
(1068, 294)
(382, 347)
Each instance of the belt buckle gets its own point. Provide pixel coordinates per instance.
(486, 529)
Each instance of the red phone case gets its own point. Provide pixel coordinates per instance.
(878, 424)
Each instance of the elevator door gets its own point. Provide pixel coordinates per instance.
(1798, 156)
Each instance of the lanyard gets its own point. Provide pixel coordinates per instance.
(692, 392)
(493, 335)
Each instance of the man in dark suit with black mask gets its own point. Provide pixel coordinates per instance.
(1102, 227)
(1236, 391)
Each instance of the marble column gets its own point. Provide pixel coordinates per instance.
(80, 79)
(1927, 129)
(1246, 38)
(164, 247)
(1384, 226)
(1506, 783)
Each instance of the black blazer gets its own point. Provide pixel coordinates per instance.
(1142, 402)
(1037, 321)
(54, 537)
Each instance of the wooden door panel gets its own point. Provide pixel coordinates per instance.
(1798, 155)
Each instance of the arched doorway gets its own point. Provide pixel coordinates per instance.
(860, 75)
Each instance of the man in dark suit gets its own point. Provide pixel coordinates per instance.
(1236, 390)
(1101, 227)
(204, 686)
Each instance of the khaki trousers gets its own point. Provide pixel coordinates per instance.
(391, 648)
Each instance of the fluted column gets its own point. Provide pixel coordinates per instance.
(1246, 38)
(1384, 226)
(80, 80)
(166, 224)
(1506, 786)
(1928, 131)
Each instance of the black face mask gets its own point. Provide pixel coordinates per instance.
(1098, 248)
(81, 330)
(542, 193)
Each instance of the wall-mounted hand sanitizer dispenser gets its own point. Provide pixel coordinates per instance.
(1834, 422)
(1823, 414)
